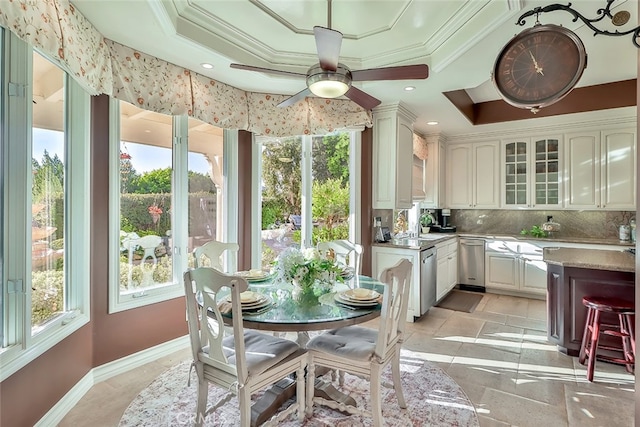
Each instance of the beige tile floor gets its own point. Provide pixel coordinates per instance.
(498, 354)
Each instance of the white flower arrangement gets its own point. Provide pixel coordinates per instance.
(307, 269)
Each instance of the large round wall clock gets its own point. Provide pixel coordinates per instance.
(539, 66)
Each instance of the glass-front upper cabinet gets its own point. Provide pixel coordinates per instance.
(532, 173)
(515, 182)
(547, 180)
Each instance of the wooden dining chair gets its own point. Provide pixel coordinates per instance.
(366, 352)
(344, 250)
(242, 363)
(213, 251)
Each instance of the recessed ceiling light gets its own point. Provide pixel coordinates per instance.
(432, 123)
(409, 88)
(206, 65)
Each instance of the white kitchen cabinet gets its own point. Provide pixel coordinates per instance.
(447, 269)
(385, 257)
(431, 186)
(601, 169)
(619, 169)
(532, 173)
(392, 154)
(473, 175)
(516, 267)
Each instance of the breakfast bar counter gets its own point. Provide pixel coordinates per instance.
(621, 260)
(573, 274)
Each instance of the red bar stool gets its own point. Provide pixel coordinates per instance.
(625, 310)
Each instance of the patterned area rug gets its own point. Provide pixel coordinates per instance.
(433, 398)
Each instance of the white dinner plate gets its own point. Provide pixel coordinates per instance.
(339, 298)
(253, 300)
(361, 294)
(248, 297)
(254, 275)
(258, 306)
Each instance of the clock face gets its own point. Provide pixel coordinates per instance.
(539, 66)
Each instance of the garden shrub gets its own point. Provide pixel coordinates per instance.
(46, 295)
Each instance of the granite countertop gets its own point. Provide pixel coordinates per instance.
(429, 240)
(423, 242)
(594, 259)
(563, 239)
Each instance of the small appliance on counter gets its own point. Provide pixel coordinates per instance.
(442, 225)
(381, 234)
(384, 235)
(550, 226)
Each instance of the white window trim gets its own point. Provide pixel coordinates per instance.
(355, 183)
(23, 347)
(256, 203)
(230, 194)
(126, 301)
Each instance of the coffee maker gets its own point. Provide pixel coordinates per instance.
(443, 218)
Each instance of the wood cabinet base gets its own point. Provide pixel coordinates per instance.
(566, 315)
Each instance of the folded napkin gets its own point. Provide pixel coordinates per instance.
(224, 307)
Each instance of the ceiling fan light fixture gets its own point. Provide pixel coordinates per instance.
(328, 88)
(328, 84)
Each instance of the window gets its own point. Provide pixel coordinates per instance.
(155, 170)
(307, 191)
(45, 175)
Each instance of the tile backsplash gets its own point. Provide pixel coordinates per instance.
(573, 224)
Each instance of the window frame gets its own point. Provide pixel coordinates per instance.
(19, 345)
(127, 301)
(355, 173)
(179, 221)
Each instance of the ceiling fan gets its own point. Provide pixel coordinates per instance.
(332, 79)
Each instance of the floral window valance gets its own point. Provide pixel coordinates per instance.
(104, 66)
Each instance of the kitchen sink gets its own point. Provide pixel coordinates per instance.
(432, 236)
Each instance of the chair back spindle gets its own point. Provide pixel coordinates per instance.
(394, 306)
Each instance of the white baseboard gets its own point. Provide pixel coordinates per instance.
(106, 371)
(117, 367)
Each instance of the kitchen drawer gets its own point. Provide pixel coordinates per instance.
(445, 249)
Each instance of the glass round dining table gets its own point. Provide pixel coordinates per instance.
(288, 314)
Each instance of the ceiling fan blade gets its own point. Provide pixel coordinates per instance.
(403, 72)
(328, 43)
(361, 98)
(267, 70)
(295, 98)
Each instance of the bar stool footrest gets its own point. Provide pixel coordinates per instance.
(612, 359)
(615, 333)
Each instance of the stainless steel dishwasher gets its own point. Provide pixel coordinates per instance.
(428, 267)
(471, 264)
